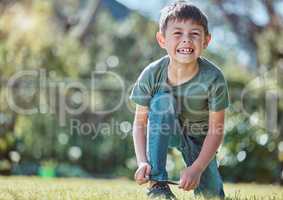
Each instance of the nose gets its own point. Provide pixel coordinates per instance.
(187, 39)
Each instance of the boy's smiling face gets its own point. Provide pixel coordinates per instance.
(183, 40)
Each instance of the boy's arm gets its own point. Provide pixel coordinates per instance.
(139, 133)
(190, 177)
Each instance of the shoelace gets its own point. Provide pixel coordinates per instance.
(163, 187)
(166, 182)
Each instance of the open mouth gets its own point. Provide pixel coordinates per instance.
(185, 50)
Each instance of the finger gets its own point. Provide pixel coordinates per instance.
(187, 186)
(141, 177)
(197, 184)
(137, 174)
(191, 186)
(147, 171)
(194, 186)
(182, 183)
(141, 173)
(142, 181)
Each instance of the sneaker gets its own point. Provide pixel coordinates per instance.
(161, 190)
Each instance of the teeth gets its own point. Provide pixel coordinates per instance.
(186, 50)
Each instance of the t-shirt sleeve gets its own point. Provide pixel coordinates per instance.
(142, 92)
(218, 94)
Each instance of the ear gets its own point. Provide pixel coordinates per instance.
(207, 40)
(160, 39)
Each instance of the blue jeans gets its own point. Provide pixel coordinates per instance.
(164, 130)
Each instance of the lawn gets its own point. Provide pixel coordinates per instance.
(34, 188)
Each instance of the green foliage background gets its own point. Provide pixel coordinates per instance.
(32, 38)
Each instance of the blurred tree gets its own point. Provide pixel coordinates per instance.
(262, 32)
(32, 40)
(80, 17)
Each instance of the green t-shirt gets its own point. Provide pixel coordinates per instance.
(206, 91)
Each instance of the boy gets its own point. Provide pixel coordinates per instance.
(181, 100)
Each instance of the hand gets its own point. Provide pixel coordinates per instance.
(190, 178)
(142, 173)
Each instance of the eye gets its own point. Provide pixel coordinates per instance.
(177, 33)
(195, 33)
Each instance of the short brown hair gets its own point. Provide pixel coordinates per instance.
(181, 10)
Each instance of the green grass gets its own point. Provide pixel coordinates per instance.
(34, 188)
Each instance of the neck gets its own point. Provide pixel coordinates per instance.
(187, 68)
(180, 73)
